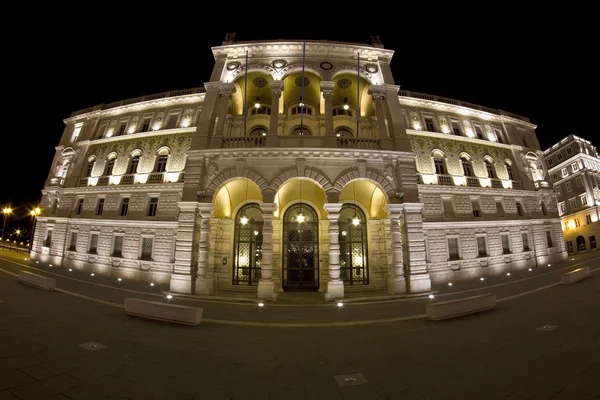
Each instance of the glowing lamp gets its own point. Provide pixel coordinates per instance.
(300, 218)
(355, 220)
(244, 220)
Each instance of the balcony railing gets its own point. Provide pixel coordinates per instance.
(103, 181)
(156, 177)
(445, 180)
(516, 185)
(473, 182)
(358, 143)
(244, 141)
(127, 179)
(448, 180)
(497, 183)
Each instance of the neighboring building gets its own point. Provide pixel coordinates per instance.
(574, 168)
(335, 181)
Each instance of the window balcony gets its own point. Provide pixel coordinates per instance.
(244, 142)
(445, 180)
(473, 182)
(358, 143)
(497, 183)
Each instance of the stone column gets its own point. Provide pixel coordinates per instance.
(396, 282)
(204, 283)
(206, 120)
(414, 248)
(185, 261)
(395, 118)
(327, 89)
(266, 287)
(335, 286)
(225, 92)
(272, 136)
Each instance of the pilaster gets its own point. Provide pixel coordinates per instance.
(272, 137)
(414, 247)
(335, 286)
(206, 118)
(266, 286)
(225, 92)
(183, 269)
(396, 282)
(204, 283)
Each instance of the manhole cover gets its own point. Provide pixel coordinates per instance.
(92, 346)
(350, 380)
(546, 327)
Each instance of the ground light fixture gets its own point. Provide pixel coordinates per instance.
(119, 279)
(549, 265)
(50, 265)
(449, 283)
(70, 269)
(92, 274)
(151, 283)
(431, 296)
(508, 274)
(169, 297)
(482, 279)
(530, 269)
(261, 304)
(340, 304)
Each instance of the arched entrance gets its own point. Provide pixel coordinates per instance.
(300, 249)
(580, 243)
(247, 245)
(353, 246)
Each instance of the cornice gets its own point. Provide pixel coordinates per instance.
(479, 142)
(565, 163)
(486, 224)
(138, 135)
(437, 189)
(140, 187)
(312, 152)
(111, 222)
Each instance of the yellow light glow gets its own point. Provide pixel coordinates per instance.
(355, 220)
(507, 184)
(346, 106)
(359, 260)
(114, 180)
(141, 178)
(172, 176)
(344, 233)
(185, 122)
(7, 210)
(242, 261)
(244, 220)
(256, 105)
(37, 211)
(460, 180)
(300, 218)
(427, 178)
(92, 181)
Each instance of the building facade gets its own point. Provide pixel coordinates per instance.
(298, 166)
(574, 167)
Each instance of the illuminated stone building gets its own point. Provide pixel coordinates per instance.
(574, 168)
(298, 166)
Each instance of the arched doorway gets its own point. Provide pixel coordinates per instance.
(353, 246)
(580, 243)
(247, 245)
(300, 249)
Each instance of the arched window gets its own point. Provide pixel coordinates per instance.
(509, 171)
(258, 131)
(247, 246)
(133, 164)
(353, 246)
(466, 164)
(90, 167)
(301, 131)
(343, 132)
(438, 163)
(490, 169)
(110, 164)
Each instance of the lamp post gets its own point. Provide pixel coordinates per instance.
(34, 213)
(6, 211)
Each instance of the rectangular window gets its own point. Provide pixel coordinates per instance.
(549, 239)
(579, 182)
(478, 132)
(550, 162)
(583, 199)
(453, 251)
(133, 164)
(575, 167)
(48, 241)
(568, 186)
(481, 246)
(525, 238)
(429, 125)
(520, 212)
(79, 207)
(121, 130)
(569, 151)
(572, 204)
(505, 244)
(559, 190)
(94, 244)
(592, 242)
(73, 242)
(559, 157)
(145, 125)
(564, 172)
(554, 177)
(588, 219)
(570, 246)
(448, 207)
(161, 163)
(438, 163)
(124, 207)
(456, 128)
(152, 206)
(147, 248)
(577, 224)
(109, 166)
(498, 135)
(476, 208)
(118, 246)
(562, 208)
(172, 121)
(100, 131)
(499, 208)
(100, 207)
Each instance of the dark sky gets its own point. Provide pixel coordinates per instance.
(534, 63)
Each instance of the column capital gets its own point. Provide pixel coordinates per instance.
(212, 86)
(413, 207)
(227, 89)
(206, 209)
(187, 206)
(383, 89)
(276, 87)
(394, 210)
(327, 87)
(268, 208)
(333, 210)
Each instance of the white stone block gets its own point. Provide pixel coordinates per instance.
(39, 281)
(163, 311)
(437, 310)
(575, 276)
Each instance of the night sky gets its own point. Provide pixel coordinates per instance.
(537, 64)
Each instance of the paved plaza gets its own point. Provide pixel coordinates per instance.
(78, 343)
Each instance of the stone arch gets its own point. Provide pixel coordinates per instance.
(371, 175)
(311, 173)
(352, 70)
(292, 68)
(228, 174)
(163, 150)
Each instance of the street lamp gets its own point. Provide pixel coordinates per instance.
(6, 211)
(34, 213)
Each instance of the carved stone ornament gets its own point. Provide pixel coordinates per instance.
(232, 66)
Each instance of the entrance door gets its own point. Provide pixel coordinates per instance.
(300, 249)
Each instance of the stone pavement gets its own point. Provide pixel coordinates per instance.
(492, 355)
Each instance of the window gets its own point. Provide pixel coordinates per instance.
(93, 244)
(124, 207)
(448, 207)
(549, 239)
(429, 124)
(510, 173)
(456, 128)
(499, 135)
(570, 246)
(90, 167)
(453, 250)
(73, 242)
(172, 121)
(121, 130)
(259, 131)
(588, 219)
(100, 131)
(575, 167)
(118, 246)
(301, 131)
(109, 166)
(490, 169)
(554, 177)
(505, 244)
(438, 163)
(353, 246)
(520, 212)
(579, 182)
(577, 224)
(568, 186)
(569, 151)
(48, 241)
(564, 172)
(466, 164)
(499, 208)
(133, 164)
(147, 248)
(550, 162)
(79, 207)
(592, 242)
(161, 163)
(572, 204)
(562, 207)
(343, 132)
(309, 111)
(584, 200)
(559, 157)
(145, 125)
(100, 207)
(478, 132)
(525, 239)
(559, 190)
(476, 208)
(481, 246)
(152, 206)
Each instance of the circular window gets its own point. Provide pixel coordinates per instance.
(326, 65)
(301, 131)
(259, 82)
(372, 68)
(233, 65)
(299, 81)
(279, 63)
(344, 83)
